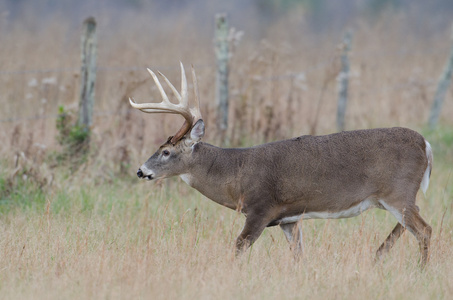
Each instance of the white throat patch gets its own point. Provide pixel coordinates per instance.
(187, 178)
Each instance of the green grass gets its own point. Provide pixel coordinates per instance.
(20, 194)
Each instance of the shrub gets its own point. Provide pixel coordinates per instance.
(73, 138)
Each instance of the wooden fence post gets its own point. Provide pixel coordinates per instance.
(442, 87)
(87, 74)
(343, 81)
(222, 58)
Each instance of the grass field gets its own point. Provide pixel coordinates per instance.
(123, 239)
(92, 230)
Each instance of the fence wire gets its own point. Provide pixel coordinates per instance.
(98, 69)
(107, 113)
(288, 76)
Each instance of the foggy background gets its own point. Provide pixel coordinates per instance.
(284, 64)
(252, 16)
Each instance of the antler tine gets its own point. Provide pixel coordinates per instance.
(185, 100)
(184, 93)
(159, 86)
(175, 91)
(195, 111)
(145, 107)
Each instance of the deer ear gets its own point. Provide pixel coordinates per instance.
(197, 132)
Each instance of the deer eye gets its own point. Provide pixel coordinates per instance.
(166, 153)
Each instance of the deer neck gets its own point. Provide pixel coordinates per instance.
(212, 174)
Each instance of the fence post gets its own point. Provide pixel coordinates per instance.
(87, 74)
(442, 88)
(222, 57)
(343, 81)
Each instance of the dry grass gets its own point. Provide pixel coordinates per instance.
(165, 242)
(97, 233)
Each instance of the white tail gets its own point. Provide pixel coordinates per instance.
(429, 155)
(333, 176)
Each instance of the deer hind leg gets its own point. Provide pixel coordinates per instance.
(410, 218)
(422, 232)
(293, 233)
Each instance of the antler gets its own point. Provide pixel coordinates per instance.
(191, 115)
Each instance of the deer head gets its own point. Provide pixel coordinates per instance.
(173, 157)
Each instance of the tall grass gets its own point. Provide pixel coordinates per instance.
(96, 232)
(80, 239)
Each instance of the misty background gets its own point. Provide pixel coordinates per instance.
(252, 16)
(284, 64)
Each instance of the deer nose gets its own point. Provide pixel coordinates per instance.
(139, 173)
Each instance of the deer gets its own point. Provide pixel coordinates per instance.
(281, 183)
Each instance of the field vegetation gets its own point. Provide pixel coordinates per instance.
(80, 225)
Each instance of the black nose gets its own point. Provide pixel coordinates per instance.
(139, 173)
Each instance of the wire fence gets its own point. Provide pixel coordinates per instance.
(299, 75)
(107, 113)
(98, 69)
(72, 70)
(281, 77)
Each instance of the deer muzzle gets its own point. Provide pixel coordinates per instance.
(140, 174)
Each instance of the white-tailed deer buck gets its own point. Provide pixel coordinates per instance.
(334, 176)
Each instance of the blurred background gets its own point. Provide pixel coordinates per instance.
(76, 222)
(284, 59)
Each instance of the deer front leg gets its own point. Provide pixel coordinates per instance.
(254, 226)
